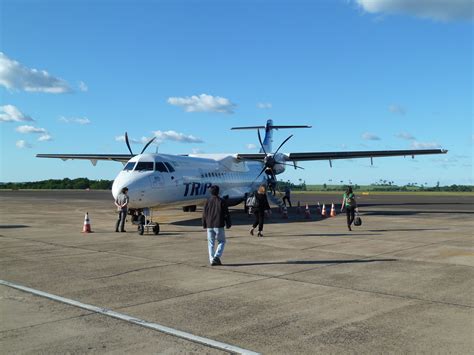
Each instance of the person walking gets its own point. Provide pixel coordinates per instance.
(350, 204)
(271, 183)
(122, 208)
(262, 205)
(215, 217)
(286, 197)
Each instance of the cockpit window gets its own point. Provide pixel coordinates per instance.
(129, 166)
(170, 168)
(161, 167)
(144, 166)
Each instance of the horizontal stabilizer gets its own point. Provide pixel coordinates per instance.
(271, 127)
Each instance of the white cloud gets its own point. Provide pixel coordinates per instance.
(81, 121)
(15, 76)
(370, 137)
(45, 138)
(83, 87)
(251, 146)
(12, 114)
(425, 145)
(23, 144)
(203, 103)
(142, 140)
(175, 136)
(405, 135)
(197, 151)
(31, 129)
(397, 109)
(264, 105)
(444, 10)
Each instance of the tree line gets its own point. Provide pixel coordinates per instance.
(85, 183)
(60, 184)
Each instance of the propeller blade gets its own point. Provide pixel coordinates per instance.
(260, 140)
(296, 167)
(261, 172)
(146, 146)
(282, 144)
(128, 143)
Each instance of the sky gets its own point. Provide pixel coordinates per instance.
(365, 74)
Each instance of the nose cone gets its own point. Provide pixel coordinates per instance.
(138, 189)
(116, 188)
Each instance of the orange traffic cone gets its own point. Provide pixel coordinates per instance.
(284, 213)
(298, 209)
(318, 209)
(87, 224)
(333, 211)
(323, 211)
(307, 212)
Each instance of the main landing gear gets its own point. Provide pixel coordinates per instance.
(143, 219)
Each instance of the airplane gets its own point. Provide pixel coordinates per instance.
(156, 180)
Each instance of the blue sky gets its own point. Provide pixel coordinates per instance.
(366, 74)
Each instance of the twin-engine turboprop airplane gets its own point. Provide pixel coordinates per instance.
(160, 180)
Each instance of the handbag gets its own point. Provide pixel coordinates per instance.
(357, 220)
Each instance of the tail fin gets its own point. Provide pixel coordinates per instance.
(269, 127)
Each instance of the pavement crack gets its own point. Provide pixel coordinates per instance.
(127, 272)
(45, 323)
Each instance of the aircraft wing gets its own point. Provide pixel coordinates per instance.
(123, 158)
(361, 154)
(344, 155)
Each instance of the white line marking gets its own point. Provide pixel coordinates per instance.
(137, 321)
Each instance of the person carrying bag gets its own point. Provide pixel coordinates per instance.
(350, 204)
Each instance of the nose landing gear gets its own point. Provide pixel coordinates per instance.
(143, 219)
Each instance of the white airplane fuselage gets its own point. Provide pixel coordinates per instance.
(159, 180)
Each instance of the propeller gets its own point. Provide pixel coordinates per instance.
(146, 145)
(128, 144)
(269, 161)
(144, 148)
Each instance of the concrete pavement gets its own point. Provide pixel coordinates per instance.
(402, 282)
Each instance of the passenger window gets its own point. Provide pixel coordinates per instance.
(144, 166)
(170, 168)
(129, 166)
(161, 167)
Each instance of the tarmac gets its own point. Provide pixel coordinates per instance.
(400, 283)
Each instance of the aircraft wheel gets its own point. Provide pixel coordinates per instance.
(156, 229)
(192, 208)
(185, 208)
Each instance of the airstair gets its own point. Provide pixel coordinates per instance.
(276, 199)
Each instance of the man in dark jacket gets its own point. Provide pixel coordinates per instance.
(215, 217)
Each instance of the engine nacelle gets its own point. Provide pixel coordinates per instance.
(279, 168)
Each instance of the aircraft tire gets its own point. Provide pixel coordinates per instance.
(156, 229)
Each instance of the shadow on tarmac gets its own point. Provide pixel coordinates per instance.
(312, 262)
(408, 230)
(410, 213)
(4, 226)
